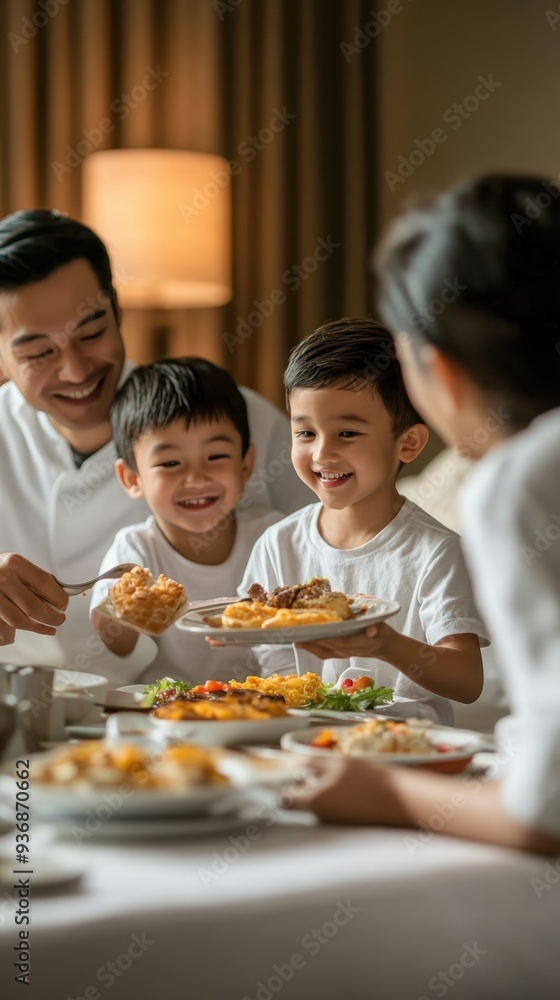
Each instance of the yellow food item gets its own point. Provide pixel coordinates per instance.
(287, 617)
(225, 710)
(246, 614)
(101, 765)
(296, 691)
(146, 603)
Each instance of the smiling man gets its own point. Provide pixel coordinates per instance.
(62, 351)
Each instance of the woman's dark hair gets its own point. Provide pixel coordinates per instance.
(352, 353)
(476, 273)
(189, 389)
(37, 242)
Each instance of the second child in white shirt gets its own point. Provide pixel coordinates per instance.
(182, 436)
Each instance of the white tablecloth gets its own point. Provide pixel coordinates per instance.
(298, 910)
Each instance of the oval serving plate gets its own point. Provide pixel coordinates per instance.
(464, 743)
(194, 621)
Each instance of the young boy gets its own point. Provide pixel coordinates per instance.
(182, 439)
(352, 428)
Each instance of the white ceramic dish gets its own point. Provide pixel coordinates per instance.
(94, 805)
(226, 733)
(463, 742)
(126, 697)
(193, 621)
(105, 607)
(78, 692)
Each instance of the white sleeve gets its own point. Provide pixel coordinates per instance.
(513, 549)
(447, 605)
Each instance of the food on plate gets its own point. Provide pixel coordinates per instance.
(96, 764)
(292, 691)
(221, 702)
(308, 691)
(246, 614)
(147, 603)
(311, 603)
(163, 690)
(316, 594)
(379, 736)
(286, 617)
(298, 692)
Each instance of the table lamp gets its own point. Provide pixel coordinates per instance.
(165, 216)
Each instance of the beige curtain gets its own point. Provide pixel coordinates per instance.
(267, 84)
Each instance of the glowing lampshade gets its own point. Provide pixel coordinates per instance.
(166, 222)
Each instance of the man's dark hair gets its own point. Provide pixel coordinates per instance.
(35, 243)
(352, 353)
(189, 389)
(476, 273)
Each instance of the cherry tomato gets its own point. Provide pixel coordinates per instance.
(199, 689)
(362, 682)
(347, 684)
(213, 686)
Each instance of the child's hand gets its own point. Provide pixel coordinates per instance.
(377, 640)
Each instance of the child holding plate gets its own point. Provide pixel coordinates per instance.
(485, 372)
(353, 427)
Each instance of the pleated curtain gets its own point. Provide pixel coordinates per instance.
(278, 87)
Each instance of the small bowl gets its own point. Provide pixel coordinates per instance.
(78, 692)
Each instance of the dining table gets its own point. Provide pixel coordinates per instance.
(281, 905)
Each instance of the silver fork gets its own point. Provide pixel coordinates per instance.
(111, 574)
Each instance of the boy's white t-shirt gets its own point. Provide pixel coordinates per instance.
(183, 655)
(511, 537)
(414, 560)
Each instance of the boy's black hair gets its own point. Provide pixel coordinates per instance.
(189, 389)
(34, 243)
(476, 273)
(352, 353)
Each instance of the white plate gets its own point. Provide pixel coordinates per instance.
(119, 802)
(226, 733)
(106, 608)
(465, 742)
(193, 621)
(258, 807)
